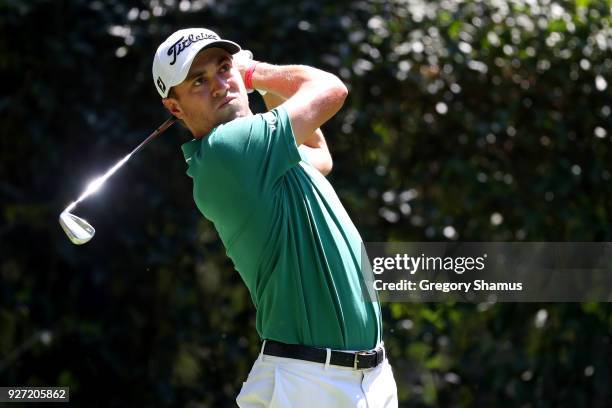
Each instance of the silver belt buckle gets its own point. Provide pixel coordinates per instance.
(360, 353)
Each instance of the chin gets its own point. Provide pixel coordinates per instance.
(229, 118)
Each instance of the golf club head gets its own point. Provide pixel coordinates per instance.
(78, 230)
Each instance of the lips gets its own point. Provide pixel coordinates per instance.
(226, 100)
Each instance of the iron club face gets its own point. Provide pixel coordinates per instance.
(77, 229)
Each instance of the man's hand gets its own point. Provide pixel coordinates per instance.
(243, 59)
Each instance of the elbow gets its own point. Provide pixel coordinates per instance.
(337, 92)
(341, 91)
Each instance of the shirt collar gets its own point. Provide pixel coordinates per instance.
(189, 149)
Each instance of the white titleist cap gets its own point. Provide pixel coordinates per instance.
(175, 55)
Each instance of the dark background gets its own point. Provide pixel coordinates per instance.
(472, 121)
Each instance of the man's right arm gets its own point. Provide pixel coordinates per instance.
(313, 96)
(315, 146)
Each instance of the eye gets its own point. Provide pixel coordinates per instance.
(200, 80)
(225, 67)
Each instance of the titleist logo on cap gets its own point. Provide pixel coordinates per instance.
(184, 43)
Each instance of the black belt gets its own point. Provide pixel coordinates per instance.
(357, 360)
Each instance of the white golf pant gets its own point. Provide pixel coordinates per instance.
(278, 382)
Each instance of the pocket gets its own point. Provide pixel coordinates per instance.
(258, 390)
(293, 387)
(279, 398)
(304, 386)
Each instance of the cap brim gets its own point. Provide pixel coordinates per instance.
(228, 46)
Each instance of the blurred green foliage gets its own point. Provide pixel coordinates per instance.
(467, 120)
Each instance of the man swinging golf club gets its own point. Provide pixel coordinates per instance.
(280, 220)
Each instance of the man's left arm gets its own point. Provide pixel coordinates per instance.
(315, 146)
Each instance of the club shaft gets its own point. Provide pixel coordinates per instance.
(101, 180)
(155, 133)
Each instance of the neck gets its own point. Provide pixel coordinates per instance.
(202, 133)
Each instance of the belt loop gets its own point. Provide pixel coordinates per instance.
(381, 345)
(327, 358)
(263, 347)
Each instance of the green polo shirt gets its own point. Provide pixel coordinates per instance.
(286, 232)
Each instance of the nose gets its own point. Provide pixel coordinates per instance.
(220, 86)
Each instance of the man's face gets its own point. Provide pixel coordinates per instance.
(213, 93)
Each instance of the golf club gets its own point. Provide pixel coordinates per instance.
(80, 231)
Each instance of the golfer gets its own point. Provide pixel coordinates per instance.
(260, 180)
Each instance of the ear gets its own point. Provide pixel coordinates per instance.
(173, 107)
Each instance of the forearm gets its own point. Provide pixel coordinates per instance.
(312, 96)
(286, 80)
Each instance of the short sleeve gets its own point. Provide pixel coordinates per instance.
(254, 151)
